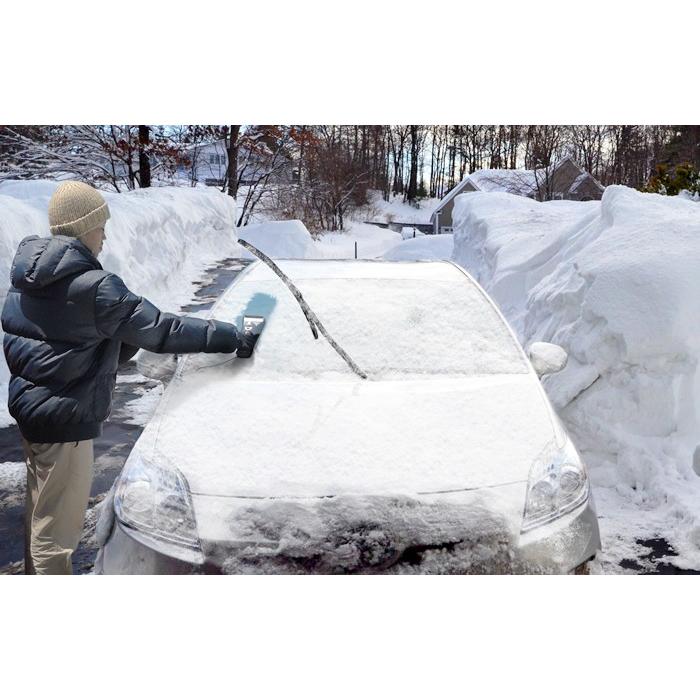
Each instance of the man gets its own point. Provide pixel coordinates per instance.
(68, 324)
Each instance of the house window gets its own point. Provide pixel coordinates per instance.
(216, 159)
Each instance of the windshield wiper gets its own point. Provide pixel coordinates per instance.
(316, 326)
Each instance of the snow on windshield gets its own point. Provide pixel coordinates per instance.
(388, 326)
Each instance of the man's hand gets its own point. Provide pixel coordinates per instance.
(246, 344)
(252, 327)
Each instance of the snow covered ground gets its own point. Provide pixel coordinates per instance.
(375, 241)
(372, 242)
(616, 284)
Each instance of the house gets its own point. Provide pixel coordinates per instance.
(566, 179)
(209, 164)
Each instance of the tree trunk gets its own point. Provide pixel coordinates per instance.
(413, 177)
(232, 170)
(144, 160)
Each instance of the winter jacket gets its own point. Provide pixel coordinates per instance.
(68, 324)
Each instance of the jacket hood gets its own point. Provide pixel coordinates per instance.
(39, 262)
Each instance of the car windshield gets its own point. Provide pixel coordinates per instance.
(391, 327)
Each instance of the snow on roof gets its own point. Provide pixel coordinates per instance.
(522, 182)
(583, 177)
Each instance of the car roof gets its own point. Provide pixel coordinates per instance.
(360, 269)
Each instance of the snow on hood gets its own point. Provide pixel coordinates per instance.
(616, 284)
(322, 437)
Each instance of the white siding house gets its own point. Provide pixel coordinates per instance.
(210, 164)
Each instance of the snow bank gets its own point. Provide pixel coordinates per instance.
(615, 283)
(158, 239)
(279, 239)
(509, 243)
(438, 247)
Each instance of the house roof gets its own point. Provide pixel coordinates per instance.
(521, 182)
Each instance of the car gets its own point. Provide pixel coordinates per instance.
(446, 458)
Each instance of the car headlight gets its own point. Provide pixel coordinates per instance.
(558, 484)
(155, 500)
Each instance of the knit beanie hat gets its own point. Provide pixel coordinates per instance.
(75, 209)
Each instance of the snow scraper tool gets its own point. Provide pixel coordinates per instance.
(315, 325)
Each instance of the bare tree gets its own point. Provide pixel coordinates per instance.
(102, 155)
(232, 143)
(412, 189)
(544, 144)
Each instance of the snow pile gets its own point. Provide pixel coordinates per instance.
(372, 242)
(279, 239)
(510, 243)
(437, 247)
(616, 284)
(159, 240)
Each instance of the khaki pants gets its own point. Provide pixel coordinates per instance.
(59, 476)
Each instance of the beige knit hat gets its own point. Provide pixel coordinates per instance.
(75, 209)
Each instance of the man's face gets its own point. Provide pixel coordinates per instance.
(95, 239)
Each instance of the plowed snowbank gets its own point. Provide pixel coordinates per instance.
(616, 284)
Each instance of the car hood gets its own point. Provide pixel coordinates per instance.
(311, 438)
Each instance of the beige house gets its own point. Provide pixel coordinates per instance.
(566, 179)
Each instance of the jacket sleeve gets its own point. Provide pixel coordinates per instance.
(123, 315)
(126, 352)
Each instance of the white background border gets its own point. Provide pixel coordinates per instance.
(362, 62)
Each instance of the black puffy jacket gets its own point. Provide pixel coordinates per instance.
(68, 324)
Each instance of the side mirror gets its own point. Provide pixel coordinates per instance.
(155, 365)
(547, 358)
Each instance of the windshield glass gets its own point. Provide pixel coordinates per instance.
(389, 327)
